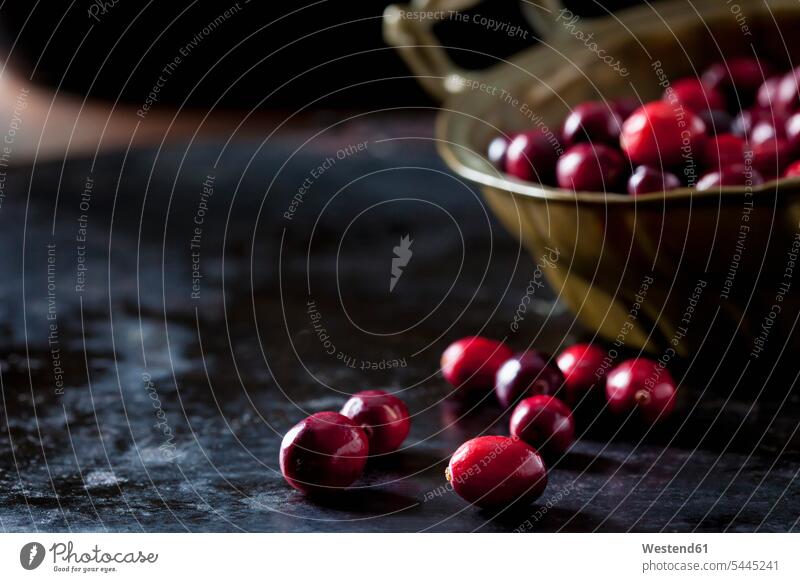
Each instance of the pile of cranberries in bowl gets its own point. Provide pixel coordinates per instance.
(540, 391)
(736, 125)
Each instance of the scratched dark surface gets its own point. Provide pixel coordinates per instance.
(195, 448)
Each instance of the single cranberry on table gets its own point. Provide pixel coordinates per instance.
(724, 150)
(717, 121)
(497, 471)
(383, 417)
(526, 374)
(545, 423)
(642, 385)
(580, 364)
(771, 157)
(646, 179)
(738, 79)
(531, 156)
(590, 167)
(323, 453)
(793, 171)
(659, 135)
(592, 121)
(471, 363)
(496, 152)
(735, 175)
(694, 95)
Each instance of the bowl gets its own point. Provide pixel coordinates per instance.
(671, 273)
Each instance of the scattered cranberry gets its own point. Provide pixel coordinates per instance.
(545, 423)
(738, 78)
(590, 167)
(724, 150)
(592, 121)
(383, 417)
(736, 175)
(323, 453)
(471, 363)
(497, 471)
(646, 179)
(716, 120)
(771, 157)
(530, 156)
(643, 385)
(526, 374)
(692, 94)
(496, 152)
(579, 363)
(793, 171)
(653, 134)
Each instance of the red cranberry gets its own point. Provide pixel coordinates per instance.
(497, 471)
(793, 171)
(767, 96)
(383, 417)
(530, 156)
(592, 121)
(590, 167)
(496, 152)
(646, 179)
(531, 372)
(716, 120)
(766, 130)
(322, 453)
(692, 94)
(579, 363)
(643, 385)
(771, 157)
(736, 175)
(724, 150)
(471, 363)
(625, 106)
(545, 423)
(793, 131)
(738, 78)
(788, 94)
(655, 135)
(744, 121)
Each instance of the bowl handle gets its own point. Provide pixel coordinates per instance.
(409, 29)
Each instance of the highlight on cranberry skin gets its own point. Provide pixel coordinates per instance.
(592, 121)
(497, 471)
(526, 374)
(383, 417)
(656, 133)
(580, 364)
(471, 363)
(735, 175)
(323, 453)
(646, 179)
(642, 385)
(545, 423)
(530, 156)
(591, 167)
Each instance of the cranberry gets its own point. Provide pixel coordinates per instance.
(716, 120)
(545, 423)
(642, 385)
(497, 471)
(530, 156)
(766, 130)
(788, 95)
(736, 175)
(496, 152)
(692, 94)
(579, 363)
(744, 121)
(767, 96)
(793, 131)
(724, 150)
(471, 363)
(625, 106)
(771, 157)
(738, 78)
(654, 134)
(383, 417)
(592, 121)
(646, 179)
(526, 374)
(322, 453)
(590, 167)
(793, 171)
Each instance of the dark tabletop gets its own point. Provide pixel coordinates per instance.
(135, 401)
